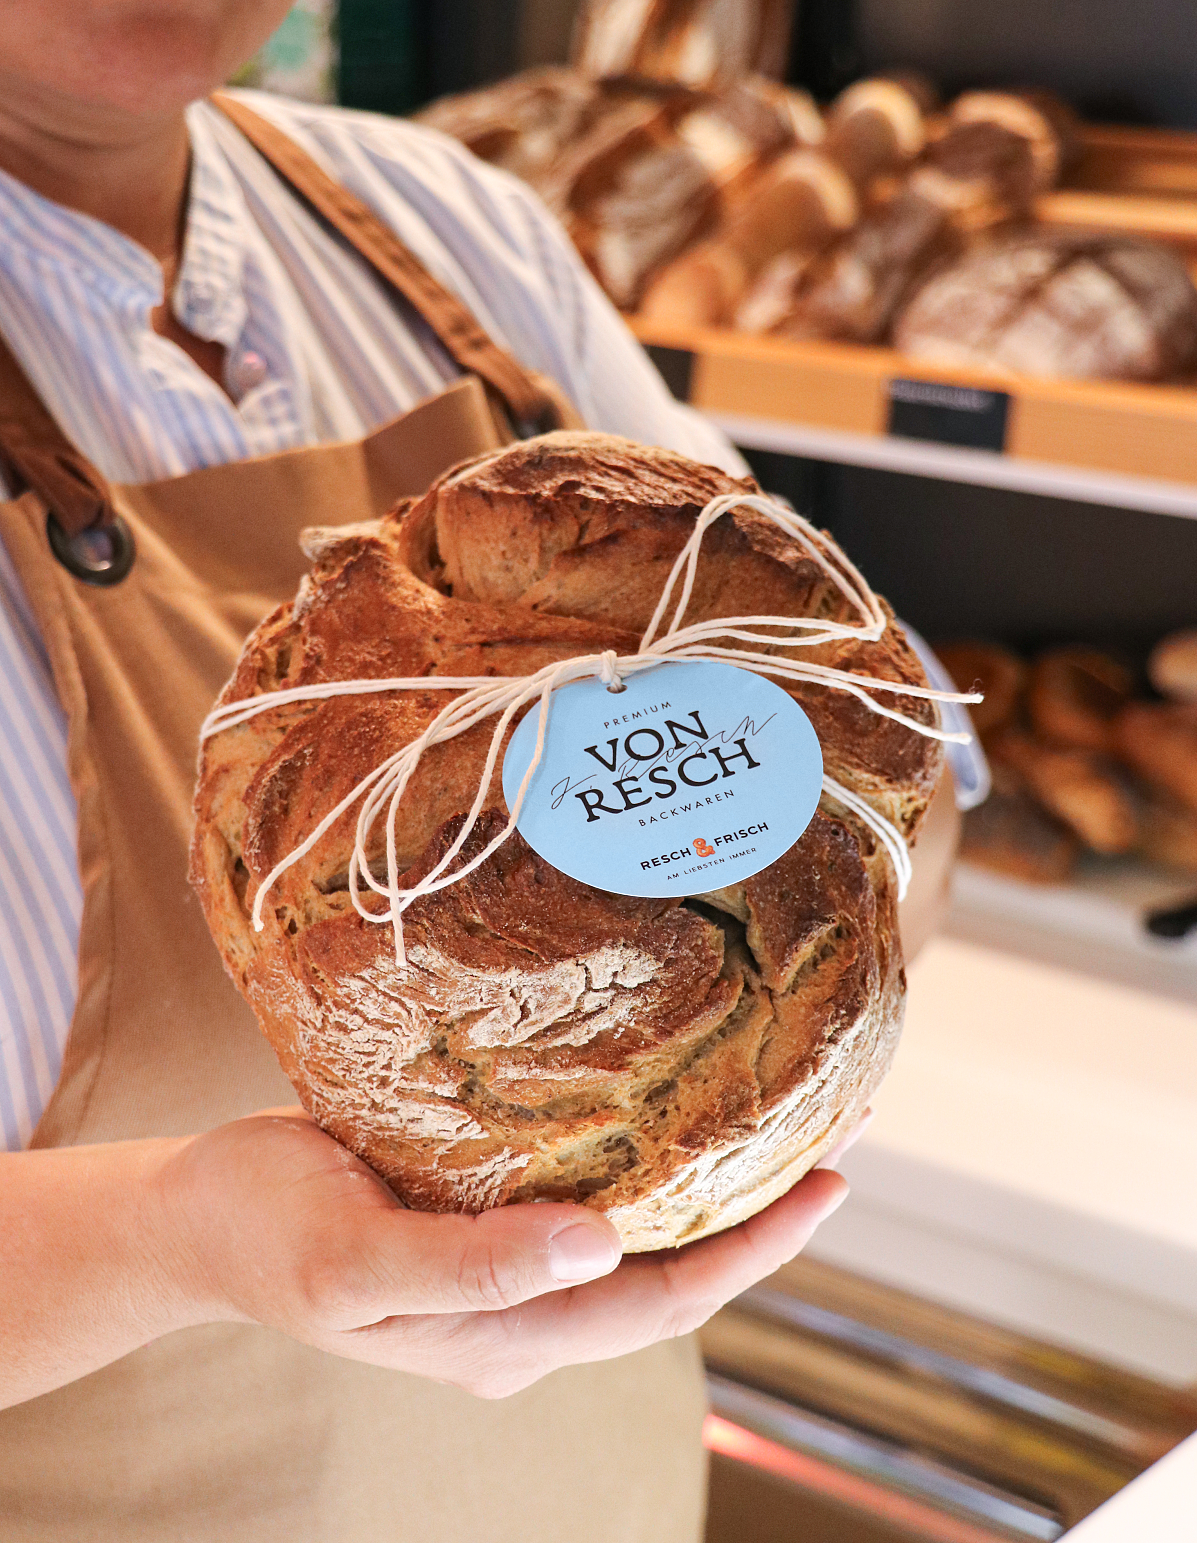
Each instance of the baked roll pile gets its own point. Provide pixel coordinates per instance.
(1080, 761)
(675, 1064)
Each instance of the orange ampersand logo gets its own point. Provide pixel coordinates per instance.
(703, 847)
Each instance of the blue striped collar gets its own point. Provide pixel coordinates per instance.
(120, 273)
(210, 293)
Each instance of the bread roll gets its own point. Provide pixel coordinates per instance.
(1172, 667)
(1074, 695)
(697, 289)
(875, 127)
(675, 1065)
(1011, 834)
(1082, 790)
(1159, 741)
(1046, 124)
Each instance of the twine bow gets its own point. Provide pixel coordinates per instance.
(482, 696)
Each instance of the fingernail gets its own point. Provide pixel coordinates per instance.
(581, 1253)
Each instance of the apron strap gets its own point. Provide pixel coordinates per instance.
(35, 451)
(532, 407)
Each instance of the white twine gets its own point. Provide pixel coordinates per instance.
(482, 696)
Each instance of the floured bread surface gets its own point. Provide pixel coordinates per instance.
(676, 1064)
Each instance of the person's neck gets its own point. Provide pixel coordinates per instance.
(127, 171)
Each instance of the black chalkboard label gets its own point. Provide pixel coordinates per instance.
(676, 365)
(950, 415)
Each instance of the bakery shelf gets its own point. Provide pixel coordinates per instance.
(1132, 446)
(1093, 924)
(1106, 442)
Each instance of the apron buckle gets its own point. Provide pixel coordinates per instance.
(101, 554)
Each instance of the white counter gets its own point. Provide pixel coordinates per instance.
(1034, 1158)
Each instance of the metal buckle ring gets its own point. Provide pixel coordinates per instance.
(101, 555)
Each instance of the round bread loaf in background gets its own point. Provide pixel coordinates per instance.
(1050, 303)
(675, 1064)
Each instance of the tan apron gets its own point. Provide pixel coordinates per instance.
(231, 1433)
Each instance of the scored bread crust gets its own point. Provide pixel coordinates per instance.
(676, 1065)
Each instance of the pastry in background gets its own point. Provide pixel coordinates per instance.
(1172, 667)
(1168, 833)
(1097, 307)
(1084, 791)
(792, 209)
(996, 672)
(1159, 741)
(1074, 695)
(692, 43)
(1010, 833)
(1077, 763)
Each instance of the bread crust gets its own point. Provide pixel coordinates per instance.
(1049, 303)
(676, 1065)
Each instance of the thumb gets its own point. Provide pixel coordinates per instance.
(419, 1262)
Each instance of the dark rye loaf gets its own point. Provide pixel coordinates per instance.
(676, 1065)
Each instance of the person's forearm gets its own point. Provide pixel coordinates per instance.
(90, 1264)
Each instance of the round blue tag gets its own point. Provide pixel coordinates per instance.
(697, 776)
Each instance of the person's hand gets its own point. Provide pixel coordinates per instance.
(272, 1221)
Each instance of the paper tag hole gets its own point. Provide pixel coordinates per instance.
(616, 689)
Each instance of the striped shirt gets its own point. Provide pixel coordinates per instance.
(317, 348)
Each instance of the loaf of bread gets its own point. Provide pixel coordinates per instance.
(692, 43)
(523, 124)
(677, 1065)
(1054, 303)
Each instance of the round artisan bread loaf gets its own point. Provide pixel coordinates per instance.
(1045, 302)
(675, 1064)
